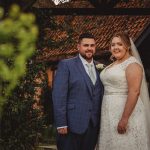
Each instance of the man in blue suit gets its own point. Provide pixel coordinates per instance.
(77, 95)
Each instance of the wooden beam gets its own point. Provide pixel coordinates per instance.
(92, 11)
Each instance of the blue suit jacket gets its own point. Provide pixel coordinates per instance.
(75, 99)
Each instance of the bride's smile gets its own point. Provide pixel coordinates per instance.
(119, 50)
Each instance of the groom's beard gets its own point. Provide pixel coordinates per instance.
(88, 55)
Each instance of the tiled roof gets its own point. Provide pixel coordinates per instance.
(134, 4)
(102, 27)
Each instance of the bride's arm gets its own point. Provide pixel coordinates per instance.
(134, 78)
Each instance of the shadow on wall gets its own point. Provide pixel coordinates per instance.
(47, 104)
(147, 72)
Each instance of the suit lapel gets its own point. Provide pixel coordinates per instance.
(84, 74)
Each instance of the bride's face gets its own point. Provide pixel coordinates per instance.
(118, 49)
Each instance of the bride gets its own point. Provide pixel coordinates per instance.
(125, 106)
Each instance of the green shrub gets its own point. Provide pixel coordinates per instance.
(18, 35)
(21, 123)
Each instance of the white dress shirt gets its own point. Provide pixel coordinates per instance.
(84, 62)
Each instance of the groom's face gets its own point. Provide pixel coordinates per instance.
(87, 48)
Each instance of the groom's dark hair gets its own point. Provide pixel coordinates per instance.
(85, 35)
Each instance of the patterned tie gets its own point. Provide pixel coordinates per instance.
(91, 73)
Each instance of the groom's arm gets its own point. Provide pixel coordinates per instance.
(60, 92)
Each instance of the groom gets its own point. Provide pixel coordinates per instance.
(77, 95)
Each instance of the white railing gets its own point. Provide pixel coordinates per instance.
(46, 147)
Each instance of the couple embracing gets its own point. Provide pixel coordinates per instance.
(102, 111)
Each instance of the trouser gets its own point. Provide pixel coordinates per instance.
(73, 141)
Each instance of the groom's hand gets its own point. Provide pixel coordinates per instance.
(62, 130)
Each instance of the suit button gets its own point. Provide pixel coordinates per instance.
(90, 110)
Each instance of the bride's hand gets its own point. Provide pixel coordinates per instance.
(122, 126)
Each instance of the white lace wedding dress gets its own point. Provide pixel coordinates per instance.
(115, 95)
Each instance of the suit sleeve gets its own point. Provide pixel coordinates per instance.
(59, 94)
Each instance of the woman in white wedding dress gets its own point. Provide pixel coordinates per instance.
(123, 118)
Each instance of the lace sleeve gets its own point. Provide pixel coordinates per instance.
(129, 61)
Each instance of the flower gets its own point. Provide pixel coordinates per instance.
(100, 66)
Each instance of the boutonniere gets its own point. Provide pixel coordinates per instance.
(100, 67)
